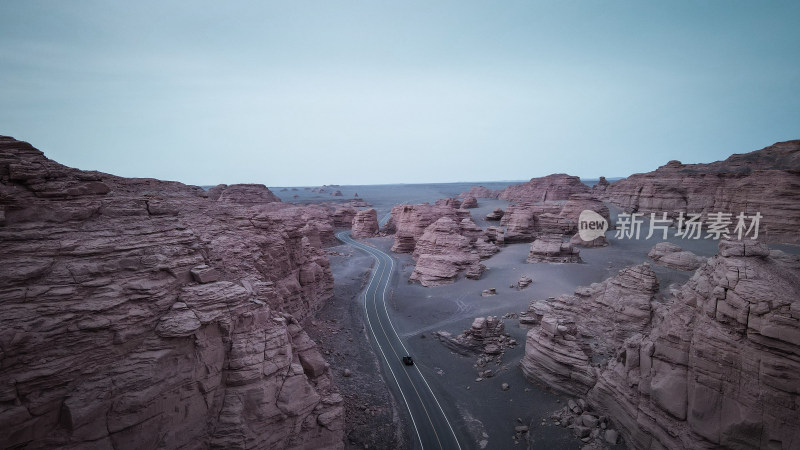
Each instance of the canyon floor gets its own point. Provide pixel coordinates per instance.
(485, 415)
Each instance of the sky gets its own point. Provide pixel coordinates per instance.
(302, 93)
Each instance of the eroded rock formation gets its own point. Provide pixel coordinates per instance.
(672, 256)
(469, 202)
(408, 222)
(137, 313)
(551, 248)
(558, 186)
(480, 192)
(365, 224)
(766, 181)
(714, 364)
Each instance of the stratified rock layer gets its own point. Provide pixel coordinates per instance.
(715, 364)
(552, 187)
(670, 255)
(136, 313)
(469, 202)
(365, 224)
(409, 222)
(766, 181)
(551, 248)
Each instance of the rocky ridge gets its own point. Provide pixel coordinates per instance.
(140, 313)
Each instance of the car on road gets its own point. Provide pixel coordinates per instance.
(407, 360)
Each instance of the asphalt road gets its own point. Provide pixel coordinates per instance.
(430, 425)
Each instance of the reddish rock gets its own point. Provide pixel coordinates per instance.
(497, 214)
(763, 181)
(551, 248)
(365, 224)
(480, 192)
(343, 217)
(408, 222)
(552, 187)
(145, 314)
(670, 255)
(469, 202)
(716, 364)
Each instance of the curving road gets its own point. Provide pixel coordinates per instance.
(433, 430)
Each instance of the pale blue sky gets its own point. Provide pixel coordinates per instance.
(361, 92)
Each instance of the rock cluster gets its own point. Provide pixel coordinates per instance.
(670, 255)
(551, 248)
(486, 338)
(137, 313)
(763, 181)
(587, 425)
(365, 224)
(525, 221)
(714, 364)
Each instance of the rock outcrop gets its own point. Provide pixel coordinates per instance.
(672, 256)
(408, 222)
(486, 338)
(764, 181)
(447, 248)
(525, 221)
(480, 192)
(552, 187)
(715, 364)
(469, 202)
(365, 224)
(599, 241)
(551, 248)
(497, 214)
(137, 313)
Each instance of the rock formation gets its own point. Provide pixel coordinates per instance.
(408, 222)
(137, 313)
(446, 249)
(552, 187)
(343, 217)
(497, 214)
(670, 255)
(480, 192)
(764, 181)
(486, 338)
(599, 241)
(469, 202)
(551, 248)
(365, 224)
(715, 364)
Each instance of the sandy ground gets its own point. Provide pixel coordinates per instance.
(480, 410)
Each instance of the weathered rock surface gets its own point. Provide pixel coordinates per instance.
(469, 202)
(446, 249)
(551, 248)
(715, 364)
(672, 256)
(552, 187)
(497, 214)
(408, 222)
(365, 224)
(137, 313)
(480, 192)
(599, 241)
(486, 338)
(764, 181)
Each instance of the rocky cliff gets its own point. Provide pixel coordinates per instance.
(714, 364)
(558, 186)
(766, 181)
(137, 313)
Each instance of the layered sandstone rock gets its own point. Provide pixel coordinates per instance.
(480, 192)
(447, 248)
(599, 241)
(716, 364)
(136, 313)
(600, 188)
(551, 248)
(343, 217)
(365, 224)
(469, 202)
(672, 256)
(763, 181)
(497, 214)
(408, 222)
(552, 187)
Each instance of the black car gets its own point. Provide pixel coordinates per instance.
(408, 361)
